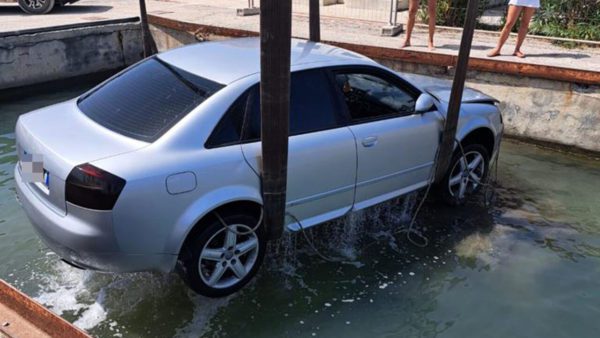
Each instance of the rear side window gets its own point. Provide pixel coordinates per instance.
(147, 100)
(312, 104)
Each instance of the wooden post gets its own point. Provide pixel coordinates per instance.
(460, 74)
(314, 21)
(275, 45)
(147, 40)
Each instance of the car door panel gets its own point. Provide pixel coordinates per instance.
(321, 175)
(395, 146)
(400, 158)
(321, 152)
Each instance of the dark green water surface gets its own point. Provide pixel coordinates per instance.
(529, 266)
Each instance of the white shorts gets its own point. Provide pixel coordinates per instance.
(525, 3)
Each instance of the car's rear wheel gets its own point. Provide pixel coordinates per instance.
(217, 261)
(465, 175)
(36, 6)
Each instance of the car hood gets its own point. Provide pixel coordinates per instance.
(65, 137)
(441, 88)
(470, 95)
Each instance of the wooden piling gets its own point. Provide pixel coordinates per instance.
(147, 40)
(449, 133)
(275, 50)
(314, 21)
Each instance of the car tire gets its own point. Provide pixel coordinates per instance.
(36, 6)
(214, 251)
(458, 185)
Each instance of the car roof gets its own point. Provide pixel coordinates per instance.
(229, 60)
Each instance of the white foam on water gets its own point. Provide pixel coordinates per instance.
(204, 310)
(92, 316)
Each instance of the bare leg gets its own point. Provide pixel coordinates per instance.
(525, 19)
(431, 5)
(413, 6)
(511, 19)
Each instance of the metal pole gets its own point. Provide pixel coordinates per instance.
(275, 45)
(147, 40)
(449, 134)
(314, 21)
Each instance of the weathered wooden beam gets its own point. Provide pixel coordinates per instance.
(449, 134)
(149, 43)
(20, 316)
(275, 50)
(314, 21)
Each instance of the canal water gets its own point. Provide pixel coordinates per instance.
(527, 266)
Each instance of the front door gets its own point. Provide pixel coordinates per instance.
(395, 145)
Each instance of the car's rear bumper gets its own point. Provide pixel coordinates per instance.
(85, 238)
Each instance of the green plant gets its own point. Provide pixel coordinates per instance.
(575, 19)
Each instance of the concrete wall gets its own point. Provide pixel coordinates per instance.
(536, 109)
(38, 57)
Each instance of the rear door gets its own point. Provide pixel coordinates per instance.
(395, 145)
(322, 150)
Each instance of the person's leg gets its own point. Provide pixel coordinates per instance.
(525, 19)
(431, 4)
(413, 6)
(511, 19)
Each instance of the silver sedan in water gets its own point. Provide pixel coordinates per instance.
(158, 168)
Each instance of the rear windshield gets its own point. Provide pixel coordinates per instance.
(145, 101)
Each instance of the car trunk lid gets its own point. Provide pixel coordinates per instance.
(62, 137)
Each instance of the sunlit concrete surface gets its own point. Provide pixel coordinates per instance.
(359, 26)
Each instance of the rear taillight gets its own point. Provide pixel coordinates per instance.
(93, 188)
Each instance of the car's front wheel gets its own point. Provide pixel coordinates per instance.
(466, 174)
(219, 261)
(36, 6)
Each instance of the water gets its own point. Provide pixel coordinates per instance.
(528, 266)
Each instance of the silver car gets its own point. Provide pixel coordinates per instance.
(158, 168)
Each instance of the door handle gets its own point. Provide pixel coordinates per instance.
(369, 141)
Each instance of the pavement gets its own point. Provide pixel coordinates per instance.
(337, 24)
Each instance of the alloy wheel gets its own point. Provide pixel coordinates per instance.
(35, 4)
(466, 175)
(228, 256)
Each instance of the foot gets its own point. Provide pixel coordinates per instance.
(431, 46)
(493, 53)
(519, 54)
(405, 44)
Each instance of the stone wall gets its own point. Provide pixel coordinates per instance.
(51, 55)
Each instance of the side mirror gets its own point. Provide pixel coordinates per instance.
(424, 103)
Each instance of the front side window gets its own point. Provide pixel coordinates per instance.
(145, 101)
(370, 97)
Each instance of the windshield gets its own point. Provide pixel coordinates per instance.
(145, 101)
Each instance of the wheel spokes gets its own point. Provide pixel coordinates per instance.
(212, 254)
(238, 268)
(216, 274)
(462, 189)
(246, 246)
(230, 238)
(475, 162)
(455, 180)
